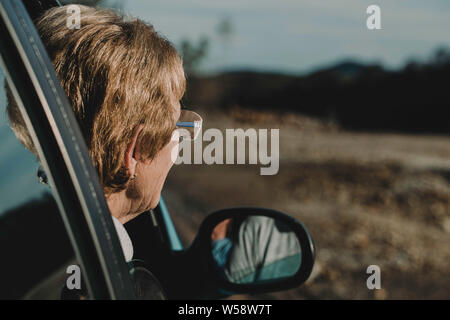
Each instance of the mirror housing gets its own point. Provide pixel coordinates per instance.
(202, 248)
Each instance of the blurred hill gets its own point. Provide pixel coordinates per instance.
(355, 96)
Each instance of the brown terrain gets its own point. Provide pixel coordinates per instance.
(367, 198)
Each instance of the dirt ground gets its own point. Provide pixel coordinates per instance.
(367, 199)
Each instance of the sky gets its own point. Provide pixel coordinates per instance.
(297, 36)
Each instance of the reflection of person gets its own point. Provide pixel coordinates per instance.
(258, 248)
(221, 244)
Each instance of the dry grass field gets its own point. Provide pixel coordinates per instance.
(367, 198)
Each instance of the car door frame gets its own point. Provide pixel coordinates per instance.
(63, 154)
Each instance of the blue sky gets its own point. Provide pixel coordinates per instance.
(300, 35)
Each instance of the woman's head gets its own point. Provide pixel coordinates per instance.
(124, 82)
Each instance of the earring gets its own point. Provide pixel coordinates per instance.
(134, 177)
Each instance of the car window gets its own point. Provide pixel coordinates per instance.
(18, 166)
(35, 247)
(66, 161)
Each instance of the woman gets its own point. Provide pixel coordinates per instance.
(124, 82)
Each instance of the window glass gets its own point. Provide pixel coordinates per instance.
(35, 247)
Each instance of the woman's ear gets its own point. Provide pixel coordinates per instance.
(132, 155)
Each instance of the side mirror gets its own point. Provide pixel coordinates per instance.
(255, 250)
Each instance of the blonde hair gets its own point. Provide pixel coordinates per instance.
(117, 74)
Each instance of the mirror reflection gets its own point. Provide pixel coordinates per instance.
(255, 249)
